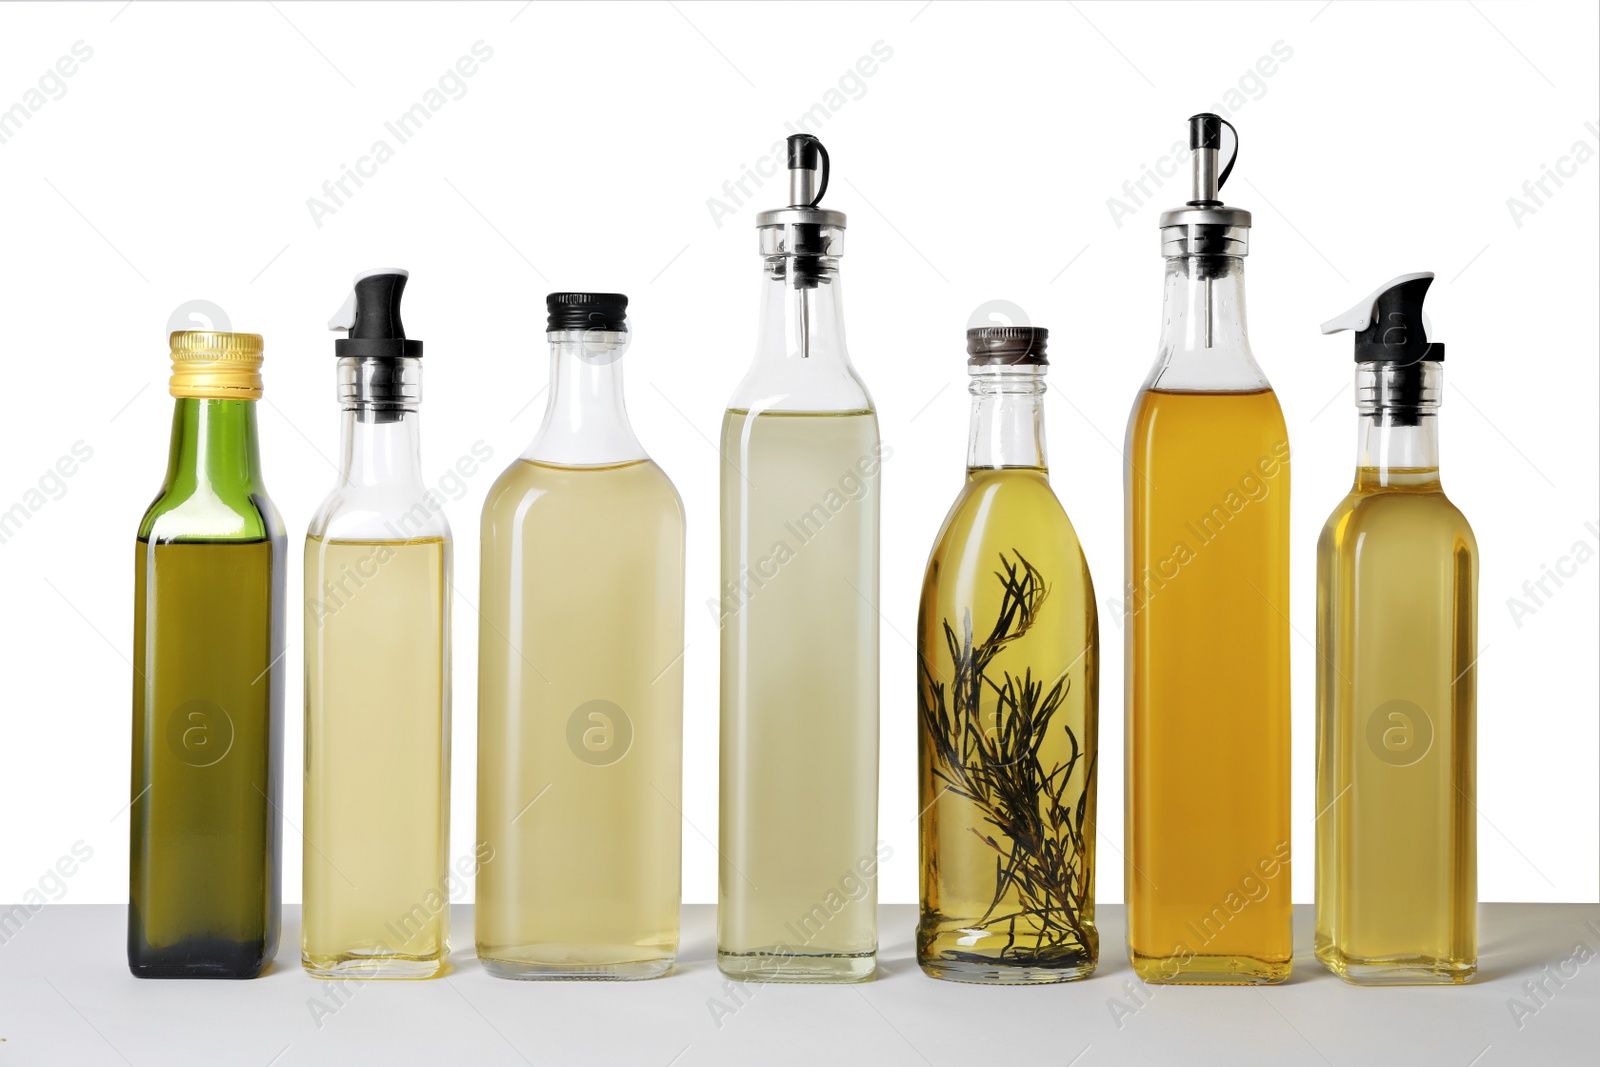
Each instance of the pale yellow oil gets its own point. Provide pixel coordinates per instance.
(377, 759)
(1208, 689)
(1007, 754)
(580, 722)
(799, 618)
(1396, 717)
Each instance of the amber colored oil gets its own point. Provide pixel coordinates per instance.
(1396, 846)
(1208, 689)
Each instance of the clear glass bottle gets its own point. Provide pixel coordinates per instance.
(377, 670)
(580, 681)
(797, 889)
(1397, 577)
(206, 839)
(1008, 674)
(1207, 621)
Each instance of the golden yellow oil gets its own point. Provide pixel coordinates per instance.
(377, 759)
(1208, 689)
(580, 722)
(1396, 720)
(1007, 684)
(203, 877)
(799, 797)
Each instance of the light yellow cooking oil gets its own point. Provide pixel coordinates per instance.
(1396, 709)
(1208, 688)
(1007, 701)
(377, 758)
(799, 798)
(580, 716)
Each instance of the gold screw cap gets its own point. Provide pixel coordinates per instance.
(212, 365)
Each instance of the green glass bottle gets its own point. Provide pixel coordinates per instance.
(204, 859)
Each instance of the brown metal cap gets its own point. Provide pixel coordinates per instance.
(994, 346)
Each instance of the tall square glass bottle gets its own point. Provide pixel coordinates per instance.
(797, 889)
(206, 827)
(1207, 597)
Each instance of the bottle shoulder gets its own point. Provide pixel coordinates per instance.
(792, 386)
(203, 512)
(528, 488)
(1234, 412)
(380, 513)
(1401, 520)
(1006, 510)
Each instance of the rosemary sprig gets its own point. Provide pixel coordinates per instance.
(1034, 821)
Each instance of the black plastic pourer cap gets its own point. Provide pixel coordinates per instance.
(587, 311)
(1396, 333)
(1000, 346)
(376, 330)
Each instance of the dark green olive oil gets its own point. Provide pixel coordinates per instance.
(202, 886)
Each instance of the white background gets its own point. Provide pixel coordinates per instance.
(975, 163)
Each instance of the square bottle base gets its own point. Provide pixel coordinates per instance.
(1209, 970)
(771, 966)
(1414, 970)
(577, 964)
(360, 967)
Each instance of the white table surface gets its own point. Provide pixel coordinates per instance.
(66, 998)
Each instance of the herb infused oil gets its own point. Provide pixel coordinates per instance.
(1007, 701)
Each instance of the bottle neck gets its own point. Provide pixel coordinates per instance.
(214, 444)
(1204, 343)
(1397, 438)
(1007, 428)
(802, 318)
(380, 437)
(586, 421)
(380, 448)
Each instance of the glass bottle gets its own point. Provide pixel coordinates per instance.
(206, 839)
(1007, 700)
(377, 669)
(797, 887)
(580, 681)
(1397, 576)
(1207, 621)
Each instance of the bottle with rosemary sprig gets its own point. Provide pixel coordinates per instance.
(1007, 701)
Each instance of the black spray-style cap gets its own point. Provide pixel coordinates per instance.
(587, 311)
(1389, 325)
(1000, 346)
(372, 315)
